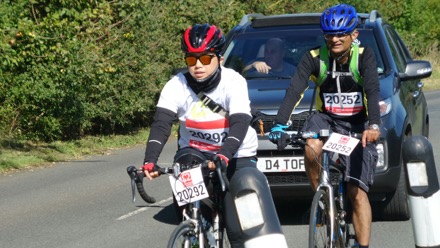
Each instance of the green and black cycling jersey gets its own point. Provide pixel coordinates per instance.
(351, 99)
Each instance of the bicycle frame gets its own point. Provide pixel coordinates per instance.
(193, 224)
(196, 219)
(192, 213)
(338, 232)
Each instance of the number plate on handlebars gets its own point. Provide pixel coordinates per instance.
(189, 186)
(342, 144)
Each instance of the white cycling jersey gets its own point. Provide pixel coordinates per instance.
(200, 127)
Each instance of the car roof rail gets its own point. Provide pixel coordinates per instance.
(374, 14)
(247, 18)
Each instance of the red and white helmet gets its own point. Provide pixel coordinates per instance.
(202, 38)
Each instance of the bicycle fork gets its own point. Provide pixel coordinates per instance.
(196, 218)
(325, 183)
(213, 232)
(342, 226)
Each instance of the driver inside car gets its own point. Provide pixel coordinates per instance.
(273, 63)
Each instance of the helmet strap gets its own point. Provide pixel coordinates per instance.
(343, 55)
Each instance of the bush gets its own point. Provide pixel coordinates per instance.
(86, 67)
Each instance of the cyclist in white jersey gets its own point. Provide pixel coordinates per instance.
(226, 137)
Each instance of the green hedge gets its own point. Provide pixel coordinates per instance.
(87, 67)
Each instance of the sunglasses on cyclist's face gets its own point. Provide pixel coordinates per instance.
(341, 36)
(205, 59)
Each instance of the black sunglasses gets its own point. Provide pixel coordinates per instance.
(340, 36)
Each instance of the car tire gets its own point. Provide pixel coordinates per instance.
(395, 206)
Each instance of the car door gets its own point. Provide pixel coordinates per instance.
(411, 93)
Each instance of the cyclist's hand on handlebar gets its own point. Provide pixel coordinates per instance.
(278, 136)
(150, 170)
(219, 160)
(370, 135)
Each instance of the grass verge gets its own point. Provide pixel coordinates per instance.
(15, 155)
(433, 82)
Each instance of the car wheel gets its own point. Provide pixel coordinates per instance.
(395, 207)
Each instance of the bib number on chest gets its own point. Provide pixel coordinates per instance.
(207, 130)
(345, 104)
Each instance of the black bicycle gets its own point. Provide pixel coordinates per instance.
(328, 226)
(195, 230)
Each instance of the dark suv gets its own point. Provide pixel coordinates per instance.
(403, 105)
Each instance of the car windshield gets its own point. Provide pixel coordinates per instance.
(249, 47)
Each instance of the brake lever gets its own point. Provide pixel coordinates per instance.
(132, 172)
(223, 179)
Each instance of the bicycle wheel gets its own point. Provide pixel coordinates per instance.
(319, 222)
(184, 236)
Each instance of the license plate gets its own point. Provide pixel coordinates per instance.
(281, 164)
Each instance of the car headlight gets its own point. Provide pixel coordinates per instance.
(385, 106)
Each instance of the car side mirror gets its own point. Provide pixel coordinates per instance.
(416, 69)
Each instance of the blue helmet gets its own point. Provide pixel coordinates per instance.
(340, 18)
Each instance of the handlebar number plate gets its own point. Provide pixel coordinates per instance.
(341, 144)
(189, 186)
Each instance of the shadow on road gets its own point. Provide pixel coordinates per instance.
(289, 213)
(167, 215)
(293, 212)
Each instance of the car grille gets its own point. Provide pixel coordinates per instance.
(283, 178)
(294, 178)
(286, 178)
(296, 119)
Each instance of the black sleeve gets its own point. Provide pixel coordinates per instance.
(368, 70)
(238, 127)
(159, 133)
(298, 85)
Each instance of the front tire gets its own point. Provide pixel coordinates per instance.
(184, 236)
(320, 221)
(396, 205)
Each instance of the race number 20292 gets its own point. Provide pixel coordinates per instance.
(189, 186)
(189, 193)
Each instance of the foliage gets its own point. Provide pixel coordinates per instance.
(74, 68)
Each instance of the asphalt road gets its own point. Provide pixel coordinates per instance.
(87, 203)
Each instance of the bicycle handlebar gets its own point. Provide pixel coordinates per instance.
(137, 176)
(300, 137)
